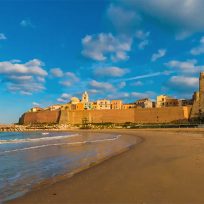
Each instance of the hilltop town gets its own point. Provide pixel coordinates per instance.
(165, 110)
(104, 104)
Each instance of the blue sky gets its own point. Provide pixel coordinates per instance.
(50, 51)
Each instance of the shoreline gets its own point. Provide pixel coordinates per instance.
(167, 166)
(58, 178)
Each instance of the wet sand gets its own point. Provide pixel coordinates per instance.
(166, 167)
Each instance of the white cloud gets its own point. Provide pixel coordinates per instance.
(141, 35)
(199, 49)
(57, 72)
(106, 46)
(23, 78)
(143, 44)
(183, 17)
(137, 83)
(139, 95)
(101, 86)
(69, 79)
(26, 23)
(72, 76)
(123, 20)
(2, 36)
(160, 53)
(35, 104)
(33, 67)
(94, 91)
(64, 98)
(120, 95)
(185, 66)
(110, 71)
(122, 84)
(183, 84)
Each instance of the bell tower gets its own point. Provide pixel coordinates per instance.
(85, 97)
(201, 93)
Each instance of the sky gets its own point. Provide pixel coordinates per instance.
(116, 49)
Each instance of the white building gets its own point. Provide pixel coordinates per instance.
(103, 104)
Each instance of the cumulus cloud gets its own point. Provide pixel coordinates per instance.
(183, 84)
(2, 36)
(69, 79)
(56, 72)
(199, 49)
(64, 98)
(143, 37)
(106, 46)
(24, 78)
(124, 20)
(185, 66)
(101, 86)
(160, 53)
(183, 17)
(33, 67)
(110, 71)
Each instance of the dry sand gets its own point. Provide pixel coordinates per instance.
(167, 167)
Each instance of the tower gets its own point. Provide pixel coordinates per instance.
(201, 93)
(85, 97)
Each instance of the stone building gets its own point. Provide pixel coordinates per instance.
(185, 102)
(103, 104)
(80, 106)
(88, 105)
(198, 100)
(144, 103)
(128, 106)
(35, 109)
(74, 100)
(54, 107)
(116, 104)
(166, 101)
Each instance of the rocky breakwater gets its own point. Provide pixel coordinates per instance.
(12, 128)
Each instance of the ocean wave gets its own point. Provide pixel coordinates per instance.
(36, 139)
(58, 144)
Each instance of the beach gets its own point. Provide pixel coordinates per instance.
(167, 166)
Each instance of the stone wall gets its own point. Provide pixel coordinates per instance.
(146, 115)
(142, 115)
(46, 116)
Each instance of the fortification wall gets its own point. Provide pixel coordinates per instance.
(146, 115)
(46, 116)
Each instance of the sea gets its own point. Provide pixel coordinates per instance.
(27, 159)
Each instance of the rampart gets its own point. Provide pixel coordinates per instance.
(143, 115)
(46, 116)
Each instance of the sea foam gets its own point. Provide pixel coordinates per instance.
(37, 139)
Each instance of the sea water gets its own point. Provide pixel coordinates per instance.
(26, 159)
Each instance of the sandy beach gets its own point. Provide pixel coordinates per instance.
(167, 166)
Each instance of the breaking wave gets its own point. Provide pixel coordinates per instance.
(57, 144)
(36, 139)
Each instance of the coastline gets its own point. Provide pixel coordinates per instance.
(166, 167)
